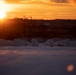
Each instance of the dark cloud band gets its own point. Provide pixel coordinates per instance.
(45, 1)
(60, 1)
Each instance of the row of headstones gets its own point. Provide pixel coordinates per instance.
(34, 42)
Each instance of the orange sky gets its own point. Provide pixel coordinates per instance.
(42, 9)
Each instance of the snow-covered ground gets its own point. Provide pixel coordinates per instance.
(37, 60)
(52, 57)
(35, 42)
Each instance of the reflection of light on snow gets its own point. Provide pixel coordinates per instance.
(70, 68)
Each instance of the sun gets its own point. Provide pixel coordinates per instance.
(2, 15)
(4, 9)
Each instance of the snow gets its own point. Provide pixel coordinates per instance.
(49, 43)
(5, 42)
(73, 43)
(18, 42)
(36, 60)
(20, 57)
(35, 42)
(65, 42)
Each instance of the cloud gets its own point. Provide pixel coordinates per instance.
(19, 1)
(45, 1)
(60, 1)
(12, 1)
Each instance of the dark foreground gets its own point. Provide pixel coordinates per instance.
(32, 28)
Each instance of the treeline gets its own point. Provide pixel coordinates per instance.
(31, 28)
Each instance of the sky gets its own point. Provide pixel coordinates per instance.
(41, 9)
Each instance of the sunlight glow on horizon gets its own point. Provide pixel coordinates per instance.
(2, 15)
(4, 9)
(38, 9)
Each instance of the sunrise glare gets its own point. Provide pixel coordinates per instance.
(41, 9)
(4, 9)
(37, 37)
(2, 15)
